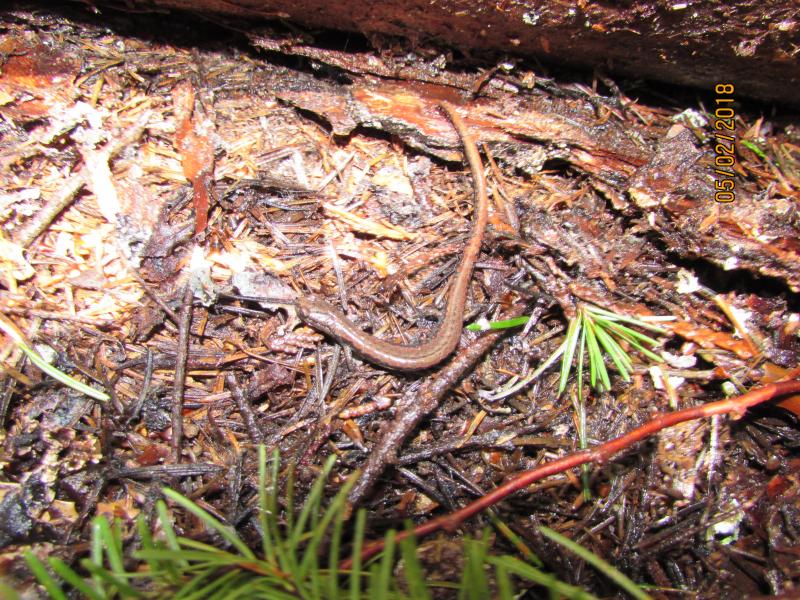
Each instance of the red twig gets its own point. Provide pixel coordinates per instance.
(602, 453)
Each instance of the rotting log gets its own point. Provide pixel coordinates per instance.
(752, 44)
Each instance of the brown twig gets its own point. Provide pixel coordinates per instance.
(55, 316)
(602, 453)
(53, 207)
(180, 372)
(155, 297)
(497, 438)
(149, 369)
(417, 403)
(245, 410)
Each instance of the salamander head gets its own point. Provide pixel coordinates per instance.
(318, 313)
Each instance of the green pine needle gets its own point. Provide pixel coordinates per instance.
(415, 578)
(598, 333)
(482, 325)
(355, 570)
(226, 531)
(522, 569)
(597, 365)
(571, 341)
(16, 335)
(598, 563)
(50, 585)
(167, 565)
(750, 145)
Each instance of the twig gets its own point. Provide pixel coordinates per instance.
(48, 213)
(5, 398)
(248, 416)
(501, 198)
(602, 453)
(417, 403)
(315, 397)
(53, 208)
(180, 372)
(498, 438)
(167, 471)
(155, 297)
(149, 368)
(55, 316)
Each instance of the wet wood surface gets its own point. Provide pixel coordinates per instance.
(754, 44)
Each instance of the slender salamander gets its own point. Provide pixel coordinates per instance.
(325, 317)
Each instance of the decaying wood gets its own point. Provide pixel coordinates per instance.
(666, 175)
(332, 172)
(754, 44)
